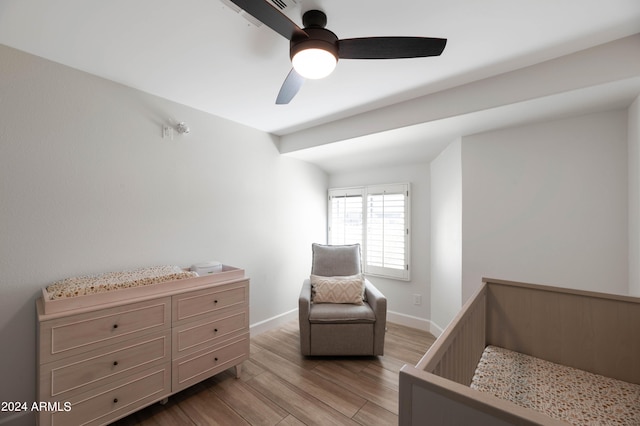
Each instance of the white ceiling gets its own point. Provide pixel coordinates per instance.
(202, 54)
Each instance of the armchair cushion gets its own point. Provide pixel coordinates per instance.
(331, 261)
(336, 313)
(349, 289)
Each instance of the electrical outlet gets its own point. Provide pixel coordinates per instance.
(417, 299)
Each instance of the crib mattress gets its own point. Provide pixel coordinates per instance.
(93, 284)
(564, 393)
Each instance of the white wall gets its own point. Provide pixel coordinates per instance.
(446, 236)
(88, 185)
(547, 203)
(399, 293)
(634, 197)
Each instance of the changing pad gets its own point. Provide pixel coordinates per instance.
(565, 393)
(92, 284)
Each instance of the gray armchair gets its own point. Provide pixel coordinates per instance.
(341, 328)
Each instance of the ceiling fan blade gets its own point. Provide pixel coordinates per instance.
(271, 17)
(390, 47)
(290, 87)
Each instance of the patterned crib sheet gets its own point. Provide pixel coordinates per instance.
(100, 283)
(565, 393)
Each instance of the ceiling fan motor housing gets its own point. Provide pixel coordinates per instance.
(319, 38)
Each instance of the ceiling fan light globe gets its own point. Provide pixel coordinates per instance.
(314, 63)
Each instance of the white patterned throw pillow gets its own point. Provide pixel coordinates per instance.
(349, 289)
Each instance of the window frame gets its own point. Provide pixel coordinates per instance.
(403, 274)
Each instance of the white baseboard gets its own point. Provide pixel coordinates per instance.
(435, 329)
(414, 322)
(273, 322)
(394, 317)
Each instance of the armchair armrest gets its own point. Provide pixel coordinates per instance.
(376, 300)
(304, 300)
(378, 303)
(304, 306)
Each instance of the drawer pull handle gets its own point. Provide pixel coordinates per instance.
(115, 363)
(215, 330)
(215, 359)
(115, 400)
(215, 302)
(115, 326)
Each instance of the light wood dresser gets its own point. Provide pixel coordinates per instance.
(101, 358)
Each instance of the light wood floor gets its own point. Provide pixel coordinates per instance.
(278, 386)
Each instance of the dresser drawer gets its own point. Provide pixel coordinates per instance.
(207, 332)
(82, 372)
(78, 333)
(190, 305)
(194, 368)
(116, 400)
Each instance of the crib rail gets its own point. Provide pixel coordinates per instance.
(456, 353)
(430, 400)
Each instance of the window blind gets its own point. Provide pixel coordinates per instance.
(377, 217)
(386, 230)
(346, 219)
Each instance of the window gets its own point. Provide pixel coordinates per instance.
(376, 217)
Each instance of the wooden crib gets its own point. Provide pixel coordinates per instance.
(594, 332)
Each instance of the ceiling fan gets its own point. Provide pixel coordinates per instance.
(314, 50)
